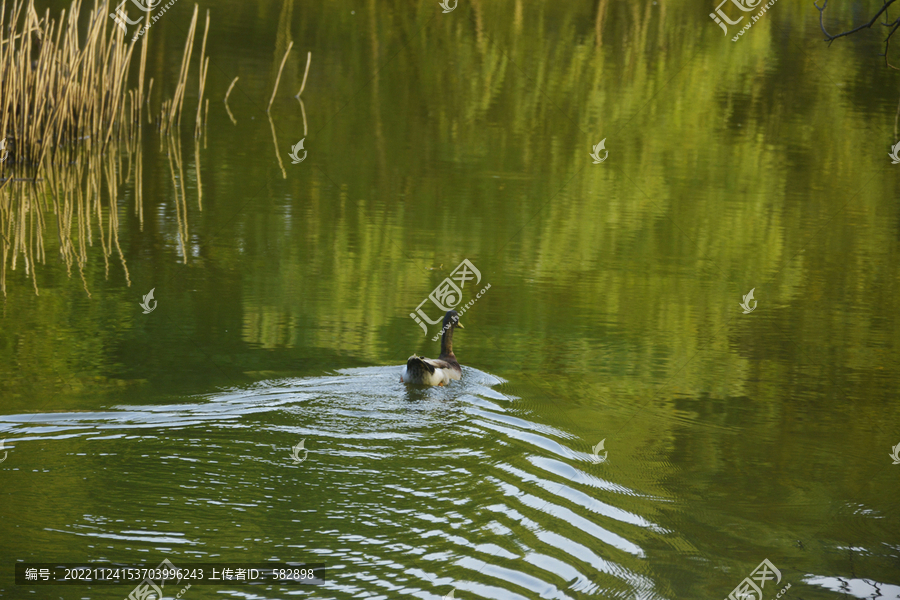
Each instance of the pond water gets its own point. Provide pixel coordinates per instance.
(283, 294)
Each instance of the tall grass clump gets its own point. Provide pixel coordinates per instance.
(68, 123)
(57, 88)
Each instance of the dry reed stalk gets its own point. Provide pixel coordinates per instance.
(113, 214)
(63, 207)
(139, 180)
(183, 192)
(197, 173)
(149, 89)
(228, 110)
(305, 73)
(275, 141)
(95, 180)
(278, 78)
(303, 112)
(164, 110)
(230, 116)
(109, 169)
(174, 156)
(129, 138)
(234, 81)
(53, 123)
(120, 76)
(40, 83)
(143, 66)
(178, 100)
(203, 69)
(22, 233)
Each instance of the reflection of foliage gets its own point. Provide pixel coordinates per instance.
(82, 212)
(621, 281)
(614, 285)
(488, 116)
(81, 194)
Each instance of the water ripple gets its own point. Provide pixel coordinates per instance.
(403, 492)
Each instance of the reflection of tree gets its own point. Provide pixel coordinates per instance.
(893, 25)
(84, 190)
(83, 193)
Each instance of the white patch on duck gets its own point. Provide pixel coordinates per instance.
(440, 371)
(428, 371)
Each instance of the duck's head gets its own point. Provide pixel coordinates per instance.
(451, 319)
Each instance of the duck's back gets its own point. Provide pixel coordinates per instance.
(430, 371)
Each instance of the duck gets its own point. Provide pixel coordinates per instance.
(440, 371)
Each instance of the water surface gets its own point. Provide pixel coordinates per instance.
(284, 293)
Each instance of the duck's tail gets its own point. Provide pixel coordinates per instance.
(418, 370)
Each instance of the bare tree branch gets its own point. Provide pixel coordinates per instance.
(887, 44)
(887, 41)
(830, 38)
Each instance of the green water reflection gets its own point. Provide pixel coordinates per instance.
(613, 311)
